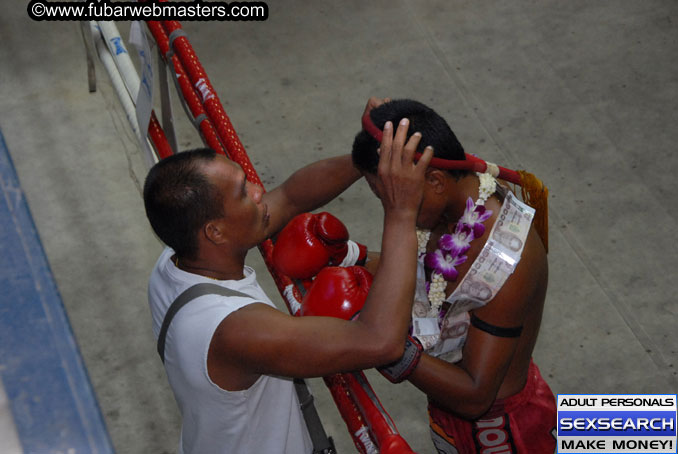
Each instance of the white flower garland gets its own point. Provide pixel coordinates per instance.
(422, 241)
(436, 291)
(488, 185)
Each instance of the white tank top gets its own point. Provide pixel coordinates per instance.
(264, 418)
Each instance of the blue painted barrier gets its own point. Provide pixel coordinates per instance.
(51, 397)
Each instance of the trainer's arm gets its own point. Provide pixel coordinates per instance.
(309, 188)
(314, 185)
(262, 340)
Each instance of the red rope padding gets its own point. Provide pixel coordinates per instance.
(471, 163)
(211, 102)
(187, 65)
(380, 423)
(158, 137)
(348, 409)
(208, 132)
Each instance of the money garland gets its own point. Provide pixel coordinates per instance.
(452, 247)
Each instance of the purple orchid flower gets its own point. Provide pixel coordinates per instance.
(474, 217)
(457, 243)
(444, 264)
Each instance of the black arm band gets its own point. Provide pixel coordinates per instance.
(495, 330)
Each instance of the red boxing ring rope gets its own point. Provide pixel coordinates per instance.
(208, 133)
(158, 137)
(371, 428)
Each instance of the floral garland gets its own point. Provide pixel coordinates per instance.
(452, 247)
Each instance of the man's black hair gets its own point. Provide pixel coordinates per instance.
(179, 199)
(433, 128)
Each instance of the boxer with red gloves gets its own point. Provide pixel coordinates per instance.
(485, 393)
(312, 241)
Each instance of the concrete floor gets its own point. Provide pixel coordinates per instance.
(583, 94)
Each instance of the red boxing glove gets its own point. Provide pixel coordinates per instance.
(337, 292)
(312, 241)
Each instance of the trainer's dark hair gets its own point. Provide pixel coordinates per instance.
(179, 199)
(433, 128)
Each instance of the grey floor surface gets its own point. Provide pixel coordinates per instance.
(582, 93)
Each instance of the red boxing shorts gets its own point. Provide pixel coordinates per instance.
(524, 423)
